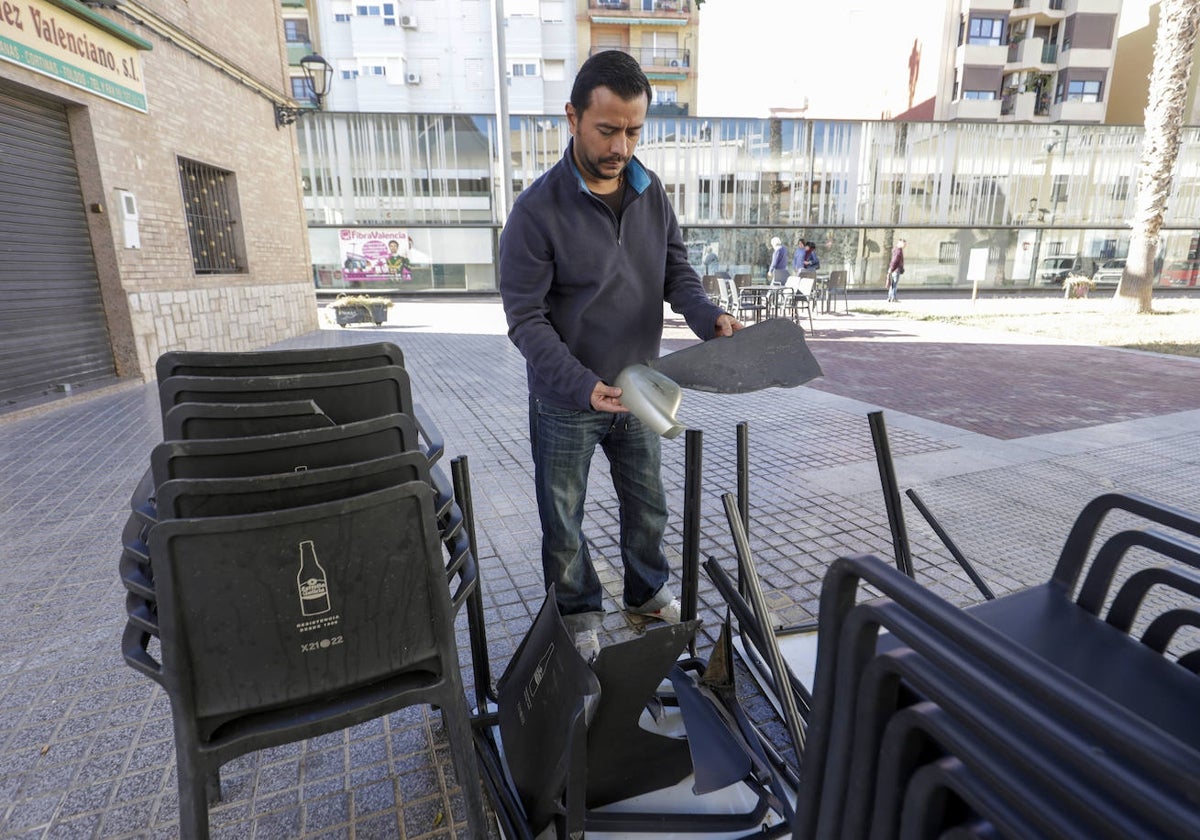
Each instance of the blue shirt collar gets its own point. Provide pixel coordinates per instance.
(636, 175)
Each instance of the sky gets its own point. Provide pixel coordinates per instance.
(847, 58)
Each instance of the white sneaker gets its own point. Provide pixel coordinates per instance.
(670, 613)
(587, 642)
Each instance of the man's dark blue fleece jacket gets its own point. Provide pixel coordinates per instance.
(583, 293)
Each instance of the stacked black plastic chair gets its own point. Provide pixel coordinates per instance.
(1064, 710)
(297, 557)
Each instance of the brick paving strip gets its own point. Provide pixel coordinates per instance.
(1004, 437)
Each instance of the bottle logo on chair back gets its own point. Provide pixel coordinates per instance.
(311, 582)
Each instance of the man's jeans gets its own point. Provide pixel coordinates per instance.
(893, 282)
(563, 442)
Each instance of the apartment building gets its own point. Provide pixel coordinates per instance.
(436, 56)
(662, 34)
(439, 56)
(1028, 60)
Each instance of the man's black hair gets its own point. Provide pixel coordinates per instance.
(616, 70)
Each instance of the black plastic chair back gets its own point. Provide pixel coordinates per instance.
(282, 453)
(276, 362)
(192, 420)
(192, 498)
(290, 624)
(345, 396)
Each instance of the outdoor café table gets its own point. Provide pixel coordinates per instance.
(768, 296)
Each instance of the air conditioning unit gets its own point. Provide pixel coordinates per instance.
(412, 79)
(408, 21)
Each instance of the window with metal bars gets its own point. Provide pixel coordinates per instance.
(210, 207)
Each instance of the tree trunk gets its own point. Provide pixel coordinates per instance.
(1173, 45)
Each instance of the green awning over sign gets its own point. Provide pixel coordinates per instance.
(100, 22)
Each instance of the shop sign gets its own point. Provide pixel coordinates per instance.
(45, 38)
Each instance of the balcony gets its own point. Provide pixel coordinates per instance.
(296, 50)
(1024, 106)
(1031, 54)
(1074, 110)
(982, 55)
(975, 109)
(1046, 9)
(668, 109)
(669, 12)
(655, 58)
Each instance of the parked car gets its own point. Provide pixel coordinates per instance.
(1109, 273)
(1181, 274)
(1054, 270)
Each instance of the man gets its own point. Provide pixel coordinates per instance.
(589, 254)
(777, 272)
(895, 269)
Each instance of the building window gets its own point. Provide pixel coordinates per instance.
(366, 11)
(375, 70)
(985, 31)
(1121, 188)
(349, 74)
(524, 68)
(300, 89)
(341, 18)
(1083, 91)
(295, 31)
(210, 209)
(979, 94)
(665, 95)
(1058, 193)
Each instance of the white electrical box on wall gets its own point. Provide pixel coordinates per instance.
(127, 213)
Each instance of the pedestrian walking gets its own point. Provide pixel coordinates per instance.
(895, 269)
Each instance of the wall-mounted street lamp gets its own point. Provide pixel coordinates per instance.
(317, 75)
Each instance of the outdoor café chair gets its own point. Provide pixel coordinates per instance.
(345, 396)
(285, 452)
(190, 420)
(1090, 696)
(343, 616)
(277, 362)
(798, 295)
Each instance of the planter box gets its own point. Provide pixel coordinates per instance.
(357, 313)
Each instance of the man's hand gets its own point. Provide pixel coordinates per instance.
(608, 399)
(726, 325)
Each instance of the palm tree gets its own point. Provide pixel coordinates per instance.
(1173, 46)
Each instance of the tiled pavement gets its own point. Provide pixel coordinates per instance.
(1004, 438)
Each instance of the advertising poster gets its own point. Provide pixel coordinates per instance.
(378, 254)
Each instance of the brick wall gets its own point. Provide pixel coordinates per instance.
(230, 318)
(203, 113)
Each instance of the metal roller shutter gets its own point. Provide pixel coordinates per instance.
(52, 325)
